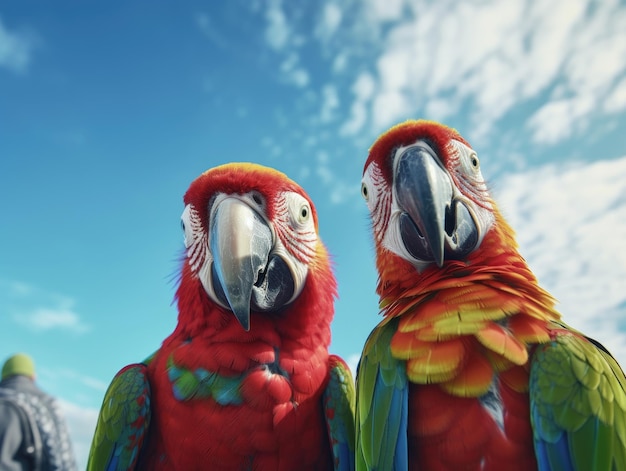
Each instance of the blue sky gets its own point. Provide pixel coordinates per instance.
(109, 110)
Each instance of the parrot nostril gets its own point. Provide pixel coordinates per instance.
(258, 199)
(450, 220)
(260, 278)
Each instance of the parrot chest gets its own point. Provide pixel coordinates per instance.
(492, 432)
(268, 416)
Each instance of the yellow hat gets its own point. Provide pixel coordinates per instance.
(19, 364)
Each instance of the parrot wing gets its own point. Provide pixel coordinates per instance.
(382, 404)
(578, 405)
(338, 402)
(123, 421)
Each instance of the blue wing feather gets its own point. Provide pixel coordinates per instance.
(338, 400)
(382, 405)
(553, 456)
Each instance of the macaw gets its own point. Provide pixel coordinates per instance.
(471, 367)
(245, 381)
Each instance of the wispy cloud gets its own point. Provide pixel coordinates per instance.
(292, 71)
(59, 317)
(353, 362)
(283, 40)
(277, 31)
(339, 189)
(68, 376)
(330, 103)
(432, 58)
(40, 310)
(210, 30)
(574, 243)
(363, 90)
(616, 100)
(329, 21)
(15, 49)
(81, 422)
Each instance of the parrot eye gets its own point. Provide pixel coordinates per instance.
(299, 211)
(257, 198)
(304, 214)
(474, 160)
(364, 191)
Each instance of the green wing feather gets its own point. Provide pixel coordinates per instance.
(123, 421)
(578, 405)
(338, 400)
(382, 404)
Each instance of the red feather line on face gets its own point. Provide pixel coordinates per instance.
(474, 190)
(464, 322)
(197, 250)
(299, 243)
(382, 209)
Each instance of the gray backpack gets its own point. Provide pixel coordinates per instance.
(48, 444)
(31, 444)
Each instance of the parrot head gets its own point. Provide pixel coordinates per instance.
(426, 195)
(250, 234)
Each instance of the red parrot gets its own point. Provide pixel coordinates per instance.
(245, 381)
(471, 367)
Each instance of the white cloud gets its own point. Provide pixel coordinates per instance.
(385, 10)
(439, 109)
(389, 107)
(571, 229)
(293, 72)
(492, 56)
(15, 49)
(358, 116)
(81, 422)
(277, 32)
(353, 363)
(363, 89)
(280, 37)
(17, 288)
(340, 62)
(209, 29)
(68, 376)
(40, 310)
(59, 317)
(329, 21)
(592, 63)
(616, 101)
(559, 119)
(330, 103)
(338, 189)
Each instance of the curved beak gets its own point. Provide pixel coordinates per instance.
(241, 242)
(435, 224)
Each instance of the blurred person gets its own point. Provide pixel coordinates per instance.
(33, 433)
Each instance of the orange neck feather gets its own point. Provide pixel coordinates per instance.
(461, 324)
